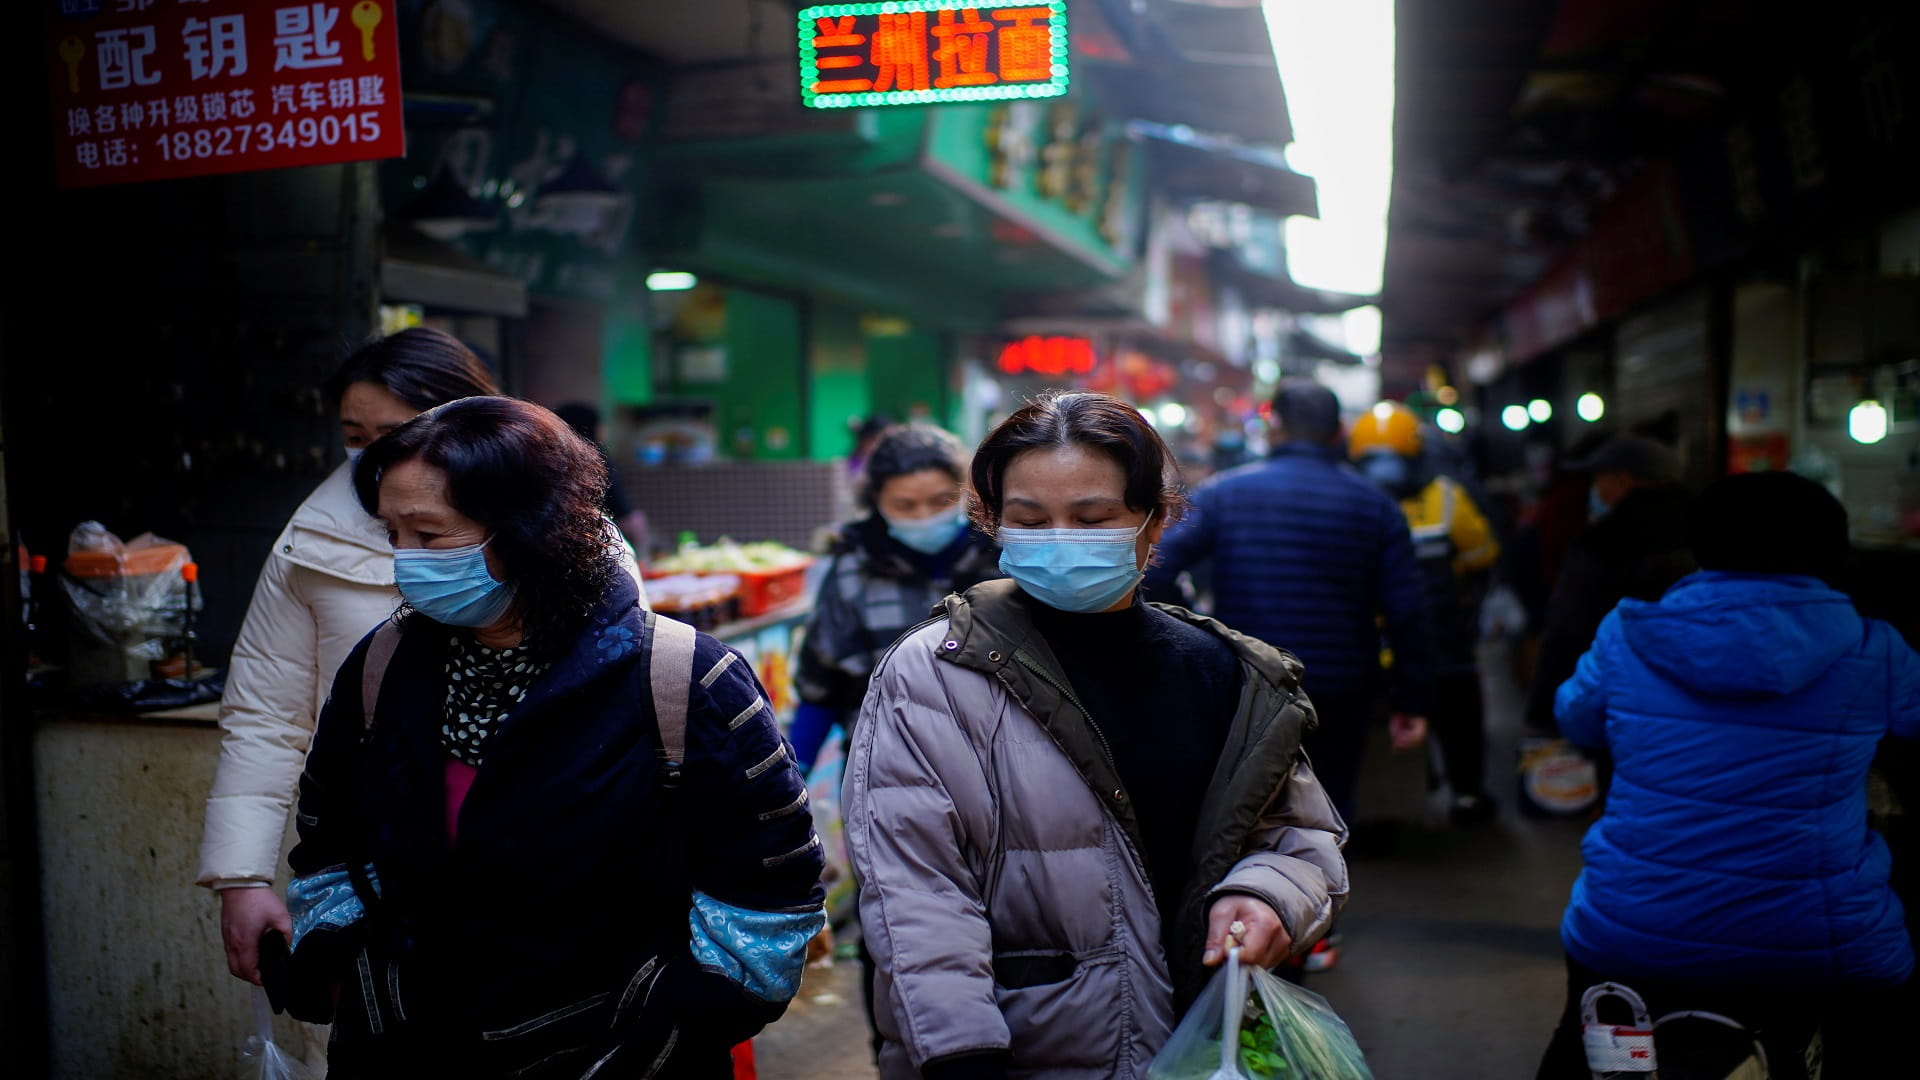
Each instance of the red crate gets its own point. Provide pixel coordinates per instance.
(761, 593)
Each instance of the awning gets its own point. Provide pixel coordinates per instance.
(1210, 66)
(1261, 290)
(1188, 164)
(420, 270)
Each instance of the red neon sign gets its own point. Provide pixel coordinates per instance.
(911, 52)
(1048, 356)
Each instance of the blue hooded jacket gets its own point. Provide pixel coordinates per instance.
(1742, 712)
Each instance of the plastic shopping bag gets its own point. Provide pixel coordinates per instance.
(1285, 1033)
(262, 1059)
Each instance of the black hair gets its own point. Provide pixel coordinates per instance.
(1306, 411)
(421, 366)
(906, 449)
(1771, 523)
(1061, 418)
(521, 472)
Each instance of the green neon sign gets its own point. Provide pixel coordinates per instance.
(915, 52)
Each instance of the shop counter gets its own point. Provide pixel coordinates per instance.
(137, 982)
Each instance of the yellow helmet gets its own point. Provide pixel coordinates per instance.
(1387, 426)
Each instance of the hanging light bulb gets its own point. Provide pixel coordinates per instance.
(1591, 407)
(1451, 421)
(1540, 410)
(1867, 422)
(1515, 417)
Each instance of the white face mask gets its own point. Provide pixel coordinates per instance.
(1081, 570)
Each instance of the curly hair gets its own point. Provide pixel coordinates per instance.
(1098, 422)
(521, 472)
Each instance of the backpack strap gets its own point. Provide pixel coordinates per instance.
(379, 656)
(670, 669)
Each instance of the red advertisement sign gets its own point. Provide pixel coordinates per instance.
(158, 89)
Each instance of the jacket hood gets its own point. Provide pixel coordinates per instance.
(1742, 635)
(330, 533)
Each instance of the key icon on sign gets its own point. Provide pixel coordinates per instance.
(366, 15)
(71, 50)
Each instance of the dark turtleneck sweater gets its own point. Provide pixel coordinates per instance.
(1163, 692)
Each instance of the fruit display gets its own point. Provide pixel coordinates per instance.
(771, 576)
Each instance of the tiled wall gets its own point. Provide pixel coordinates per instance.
(788, 501)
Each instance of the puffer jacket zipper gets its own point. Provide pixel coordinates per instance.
(1027, 661)
(1138, 857)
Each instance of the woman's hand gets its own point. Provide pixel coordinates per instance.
(1249, 923)
(245, 914)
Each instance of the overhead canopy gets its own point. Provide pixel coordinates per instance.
(1209, 65)
(1190, 165)
(1261, 290)
(420, 270)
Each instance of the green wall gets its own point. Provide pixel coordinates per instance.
(764, 390)
(907, 374)
(836, 380)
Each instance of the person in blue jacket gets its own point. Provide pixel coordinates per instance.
(1733, 869)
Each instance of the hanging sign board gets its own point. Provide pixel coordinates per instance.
(159, 89)
(1053, 356)
(911, 52)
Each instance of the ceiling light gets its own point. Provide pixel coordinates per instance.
(1515, 417)
(1591, 407)
(1540, 410)
(671, 281)
(1451, 421)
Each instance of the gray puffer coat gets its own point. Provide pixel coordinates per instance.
(994, 841)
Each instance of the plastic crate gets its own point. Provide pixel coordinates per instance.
(762, 593)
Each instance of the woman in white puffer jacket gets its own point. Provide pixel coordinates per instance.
(327, 582)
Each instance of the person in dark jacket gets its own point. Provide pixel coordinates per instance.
(888, 570)
(551, 896)
(1733, 869)
(1636, 546)
(1309, 556)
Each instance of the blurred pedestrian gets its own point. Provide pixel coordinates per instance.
(1456, 549)
(1309, 556)
(519, 769)
(327, 581)
(1634, 547)
(1733, 870)
(1064, 801)
(584, 419)
(887, 570)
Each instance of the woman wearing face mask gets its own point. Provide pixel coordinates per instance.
(327, 581)
(1064, 803)
(888, 570)
(516, 777)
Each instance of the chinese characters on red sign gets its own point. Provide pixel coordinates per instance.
(1051, 356)
(158, 89)
(916, 51)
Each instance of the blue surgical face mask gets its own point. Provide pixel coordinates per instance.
(931, 535)
(1080, 570)
(353, 455)
(452, 586)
